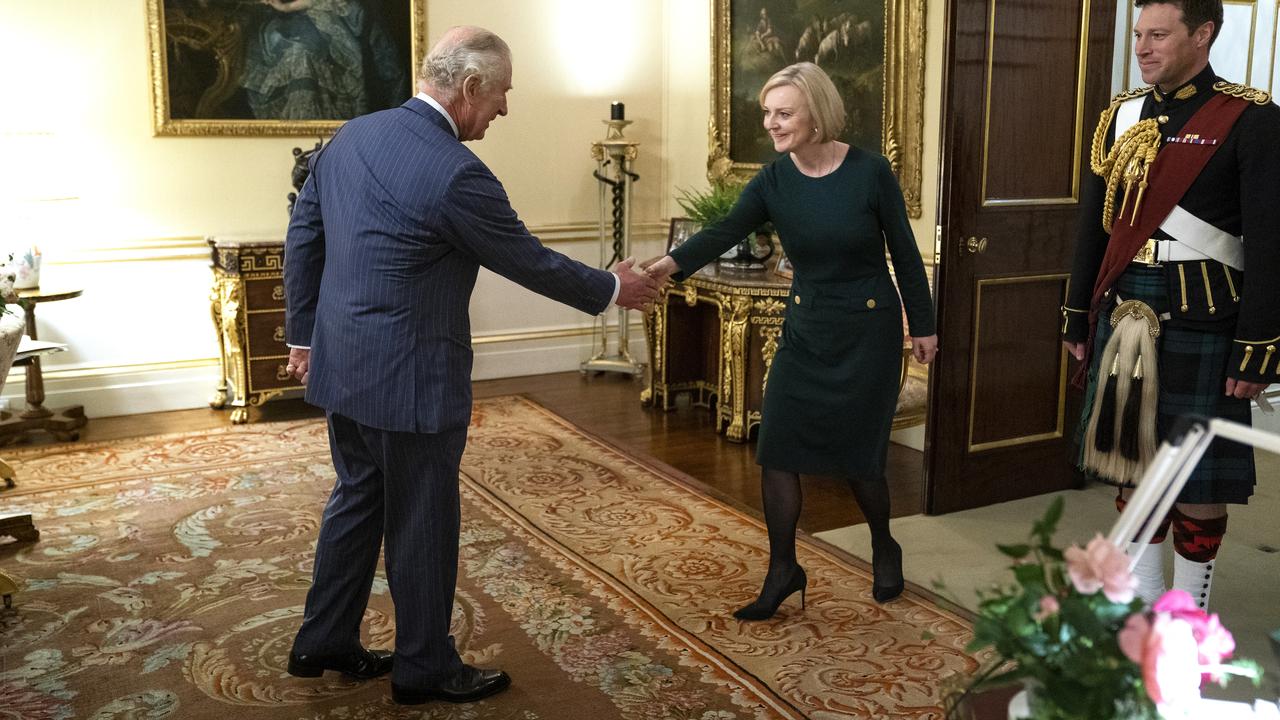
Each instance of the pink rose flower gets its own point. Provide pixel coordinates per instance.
(1216, 643)
(1171, 662)
(1165, 648)
(1133, 637)
(1175, 601)
(1101, 566)
(1048, 608)
(1213, 640)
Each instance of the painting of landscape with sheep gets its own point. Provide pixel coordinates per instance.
(845, 37)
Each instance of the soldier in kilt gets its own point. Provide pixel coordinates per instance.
(1181, 227)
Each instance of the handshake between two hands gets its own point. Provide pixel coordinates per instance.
(639, 287)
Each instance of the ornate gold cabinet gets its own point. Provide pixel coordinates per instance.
(714, 336)
(247, 302)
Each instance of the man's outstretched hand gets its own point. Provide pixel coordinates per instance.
(636, 291)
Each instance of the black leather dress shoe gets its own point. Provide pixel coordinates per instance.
(361, 665)
(467, 685)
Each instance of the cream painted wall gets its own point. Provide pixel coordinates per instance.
(1247, 50)
(141, 338)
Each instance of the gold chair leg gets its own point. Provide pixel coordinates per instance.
(6, 473)
(8, 588)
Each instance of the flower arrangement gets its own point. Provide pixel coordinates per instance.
(1073, 633)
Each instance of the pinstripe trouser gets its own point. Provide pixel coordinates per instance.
(406, 485)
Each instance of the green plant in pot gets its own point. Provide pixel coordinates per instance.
(711, 206)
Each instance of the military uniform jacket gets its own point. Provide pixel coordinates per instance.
(1238, 191)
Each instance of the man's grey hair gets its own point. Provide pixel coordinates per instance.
(463, 52)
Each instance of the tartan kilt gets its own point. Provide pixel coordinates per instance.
(1192, 379)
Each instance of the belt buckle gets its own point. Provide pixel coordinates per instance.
(1147, 253)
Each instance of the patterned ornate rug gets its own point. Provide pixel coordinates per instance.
(171, 572)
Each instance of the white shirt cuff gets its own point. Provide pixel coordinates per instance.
(299, 347)
(617, 288)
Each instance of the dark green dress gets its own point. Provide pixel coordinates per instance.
(833, 385)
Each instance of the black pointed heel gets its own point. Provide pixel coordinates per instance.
(883, 591)
(763, 609)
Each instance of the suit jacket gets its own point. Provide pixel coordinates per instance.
(381, 257)
(1236, 193)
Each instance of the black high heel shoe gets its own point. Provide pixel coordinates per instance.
(883, 591)
(763, 609)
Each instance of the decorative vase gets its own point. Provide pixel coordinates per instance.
(1020, 705)
(25, 266)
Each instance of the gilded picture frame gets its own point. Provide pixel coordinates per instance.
(753, 38)
(279, 67)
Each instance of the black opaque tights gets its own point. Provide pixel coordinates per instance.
(782, 498)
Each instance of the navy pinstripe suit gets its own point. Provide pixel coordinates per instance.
(381, 257)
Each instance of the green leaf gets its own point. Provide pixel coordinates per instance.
(1029, 575)
(1017, 552)
(1053, 514)
(987, 631)
(1079, 615)
(709, 206)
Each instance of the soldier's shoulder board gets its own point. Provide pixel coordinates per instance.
(1131, 94)
(1244, 92)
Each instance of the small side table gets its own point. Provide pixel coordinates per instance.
(64, 423)
(23, 530)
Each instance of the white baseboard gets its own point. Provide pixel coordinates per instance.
(1268, 421)
(110, 391)
(534, 357)
(130, 390)
(912, 437)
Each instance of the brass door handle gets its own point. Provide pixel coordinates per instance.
(974, 245)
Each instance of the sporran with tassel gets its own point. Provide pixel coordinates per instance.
(1120, 439)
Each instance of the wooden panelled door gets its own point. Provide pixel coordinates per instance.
(1025, 81)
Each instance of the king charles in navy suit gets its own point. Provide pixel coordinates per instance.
(381, 257)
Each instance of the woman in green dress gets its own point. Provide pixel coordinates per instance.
(833, 384)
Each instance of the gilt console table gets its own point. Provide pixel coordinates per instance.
(713, 337)
(247, 302)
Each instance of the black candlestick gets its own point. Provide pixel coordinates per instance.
(617, 111)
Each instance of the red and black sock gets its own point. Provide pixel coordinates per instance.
(1197, 539)
(1161, 532)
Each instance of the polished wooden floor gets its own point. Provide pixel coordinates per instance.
(607, 405)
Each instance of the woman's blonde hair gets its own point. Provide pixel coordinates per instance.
(819, 92)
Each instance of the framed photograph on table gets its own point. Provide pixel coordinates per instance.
(279, 67)
(681, 229)
(783, 268)
(872, 49)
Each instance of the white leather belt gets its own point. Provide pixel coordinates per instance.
(1160, 251)
(1206, 240)
(1196, 240)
